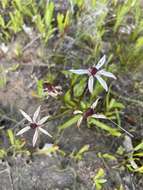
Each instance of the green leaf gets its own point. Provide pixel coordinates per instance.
(11, 136)
(120, 150)
(16, 21)
(121, 12)
(3, 78)
(99, 179)
(139, 43)
(113, 132)
(40, 88)
(48, 150)
(70, 122)
(39, 24)
(60, 19)
(2, 153)
(79, 154)
(93, 3)
(2, 23)
(139, 147)
(67, 19)
(114, 104)
(49, 14)
(100, 174)
(140, 154)
(79, 88)
(4, 3)
(109, 156)
(84, 149)
(98, 186)
(68, 99)
(140, 169)
(98, 89)
(18, 4)
(84, 105)
(79, 2)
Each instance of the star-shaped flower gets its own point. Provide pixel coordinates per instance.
(95, 72)
(52, 90)
(34, 123)
(90, 112)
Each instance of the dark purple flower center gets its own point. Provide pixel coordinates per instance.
(33, 125)
(89, 112)
(48, 87)
(93, 70)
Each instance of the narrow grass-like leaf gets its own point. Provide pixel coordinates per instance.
(11, 136)
(113, 132)
(69, 123)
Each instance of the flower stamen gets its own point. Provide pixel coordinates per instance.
(93, 71)
(48, 87)
(88, 113)
(33, 125)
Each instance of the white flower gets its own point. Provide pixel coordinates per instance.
(51, 90)
(4, 48)
(27, 30)
(34, 123)
(95, 72)
(89, 113)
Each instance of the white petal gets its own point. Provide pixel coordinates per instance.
(77, 112)
(36, 114)
(53, 94)
(48, 145)
(107, 74)
(43, 120)
(27, 29)
(102, 82)
(26, 115)
(4, 48)
(58, 87)
(35, 137)
(79, 122)
(99, 116)
(80, 71)
(45, 132)
(101, 62)
(90, 84)
(23, 130)
(93, 106)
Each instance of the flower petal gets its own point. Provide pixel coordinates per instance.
(35, 137)
(58, 87)
(79, 121)
(26, 115)
(23, 130)
(79, 71)
(45, 132)
(93, 106)
(107, 74)
(36, 114)
(48, 145)
(43, 120)
(77, 112)
(99, 116)
(101, 62)
(102, 82)
(53, 94)
(90, 84)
